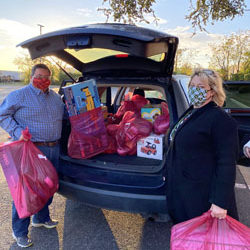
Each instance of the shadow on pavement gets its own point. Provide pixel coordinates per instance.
(86, 228)
(156, 235)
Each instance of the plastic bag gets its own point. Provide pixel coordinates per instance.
(112, 145)
(130, 130)
(206, 232)
(88, 136)
(161, 123)
(31, 177)
(134, 105)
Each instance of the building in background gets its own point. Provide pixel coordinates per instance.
(11, 76)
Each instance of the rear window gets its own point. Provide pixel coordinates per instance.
(90, 55)
(149, 93)
(153, 94)
(237, 95)
(103, 94)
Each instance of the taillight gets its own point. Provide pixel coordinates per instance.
(121, 55)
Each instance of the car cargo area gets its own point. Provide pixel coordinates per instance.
(112, 96)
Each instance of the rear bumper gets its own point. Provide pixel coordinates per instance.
(127, 202)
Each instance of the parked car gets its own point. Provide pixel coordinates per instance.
(238, 106)
(119, 57)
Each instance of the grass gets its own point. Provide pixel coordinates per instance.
(11, 83)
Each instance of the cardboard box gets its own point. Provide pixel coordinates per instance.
(81, 97)
(151, 147)
(150, 112)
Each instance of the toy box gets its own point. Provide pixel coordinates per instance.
(151, 147)
(81, 97)
(150, 112)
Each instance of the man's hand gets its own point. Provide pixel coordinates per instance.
(22, 138)
(218, 212)
(246, 151)
(25, 136)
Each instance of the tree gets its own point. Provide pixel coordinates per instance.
(25, 65)
(231, 55)
(179, 57)
(186, 69)
(184, 61)
(206, 11)
(201, 13)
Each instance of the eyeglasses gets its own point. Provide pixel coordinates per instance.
(42, 76)
(208, 72)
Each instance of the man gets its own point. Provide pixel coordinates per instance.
(41, 110)
(246, 149)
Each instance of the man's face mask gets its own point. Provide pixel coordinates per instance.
(197, 95)
(41, 83)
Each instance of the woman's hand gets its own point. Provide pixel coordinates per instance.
(218, 212)
(246, 151)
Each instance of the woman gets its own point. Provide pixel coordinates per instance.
(202, 154)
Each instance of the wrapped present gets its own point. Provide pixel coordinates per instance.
(81, 97)
(88, 136)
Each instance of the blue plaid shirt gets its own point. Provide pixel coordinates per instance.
(29, 107)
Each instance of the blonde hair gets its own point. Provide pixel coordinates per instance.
(214, 81)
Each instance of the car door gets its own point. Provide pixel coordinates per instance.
(238, 106)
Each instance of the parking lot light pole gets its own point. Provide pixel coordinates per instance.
(41, 26)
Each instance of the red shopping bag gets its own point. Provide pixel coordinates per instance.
(161, 123)
(31, 177)
(134, 105)
(208, 233)
(88, 136)
(130, 130)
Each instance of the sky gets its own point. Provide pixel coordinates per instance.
(19, 21)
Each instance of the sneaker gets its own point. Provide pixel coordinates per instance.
(47, 224)
(23, 241)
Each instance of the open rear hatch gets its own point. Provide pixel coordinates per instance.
(82, 46)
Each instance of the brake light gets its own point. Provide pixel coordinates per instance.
(121, 55)
(240, 111)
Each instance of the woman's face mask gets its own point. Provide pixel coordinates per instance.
(197, 95)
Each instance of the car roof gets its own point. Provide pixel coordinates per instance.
(237, 82)
(135, 41)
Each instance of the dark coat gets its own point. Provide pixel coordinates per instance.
(201, 164)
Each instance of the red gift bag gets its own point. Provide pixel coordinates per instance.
(208, 233)
(161, 123)
(31, 177)
(134, 105)
(88, 136)
(130, 130)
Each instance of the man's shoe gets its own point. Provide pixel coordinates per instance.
(23, 241)
(47, 224)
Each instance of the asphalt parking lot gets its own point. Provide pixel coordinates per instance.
(84, 227)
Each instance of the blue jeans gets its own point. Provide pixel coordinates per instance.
(20, 226)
